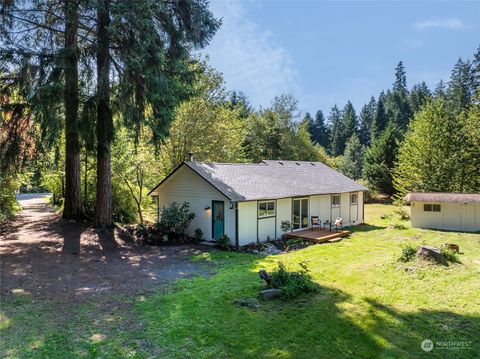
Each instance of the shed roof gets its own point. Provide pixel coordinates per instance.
(442, 197)
(272, 179)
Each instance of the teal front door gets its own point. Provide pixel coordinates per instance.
(218, 219)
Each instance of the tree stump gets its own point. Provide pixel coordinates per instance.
(429, 252)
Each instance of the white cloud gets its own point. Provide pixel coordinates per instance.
(448, 23)
(248, 57)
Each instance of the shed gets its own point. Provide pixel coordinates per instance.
(446, 211)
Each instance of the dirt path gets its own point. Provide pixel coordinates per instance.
(51, 258)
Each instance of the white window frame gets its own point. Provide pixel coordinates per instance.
(439, 206)
(339, 200)
(267, 211)
(356, 199)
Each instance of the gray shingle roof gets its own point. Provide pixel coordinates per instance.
(440, 197)
(271, 179)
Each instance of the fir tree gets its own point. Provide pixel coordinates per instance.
(397, 105)
(459, 87)
(440, 90)
(380, 158)
(323, 133)
(349, 124)
(366, 119)
(335, 120)
(380, 118)
(352, 161)
(419, 95)
(475, 75)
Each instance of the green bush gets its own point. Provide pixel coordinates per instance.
(198, 235)
(175, 219)
(285, 227)
(293, 283)
(449, 255)
(8, 200)
(408, 253)
(224, 241)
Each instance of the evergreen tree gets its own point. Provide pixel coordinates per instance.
(440, 90)
(397, 105)
(400, 84)
(317, 128)
(380, 118)
(419, 95)
(311, 125)
(379, 160)
(441, 152)
(238, 99)
(323, 132)
(349, 125)
(351, 163)
(366, 119)
(459, 87)
(335, 120)
(475, 75)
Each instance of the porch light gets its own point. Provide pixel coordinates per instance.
(207, 208)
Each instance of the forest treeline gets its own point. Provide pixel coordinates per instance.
(101, 100)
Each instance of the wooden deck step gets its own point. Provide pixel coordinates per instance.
(317, 236)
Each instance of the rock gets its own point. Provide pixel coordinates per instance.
(429, 252)
(453, 247)
(269, 249)
(265, 276)
(251, 303)
(271, 293)
(255, 251)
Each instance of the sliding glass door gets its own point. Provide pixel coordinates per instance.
(300, 213)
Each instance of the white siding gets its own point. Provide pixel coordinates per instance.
(266, 229)
(345, 208)
(247, 222)
(186, 186)
(452, 216)
(284, 213)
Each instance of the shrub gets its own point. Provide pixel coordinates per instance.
(408, 253)
(285, 227)
(175, 219)
(198, 235)
(224, 242)
(293, 283)
(449, 255)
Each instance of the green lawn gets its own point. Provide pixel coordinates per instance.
(368, 306)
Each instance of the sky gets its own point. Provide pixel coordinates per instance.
(331, 52)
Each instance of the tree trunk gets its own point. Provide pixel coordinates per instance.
(73, 203)
(103, 209)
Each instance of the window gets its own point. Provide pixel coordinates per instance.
(431, 208)
(353, 198)
(266, 209)
(335, 200)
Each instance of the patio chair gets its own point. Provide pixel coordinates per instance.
(315, 222)
(338, 224)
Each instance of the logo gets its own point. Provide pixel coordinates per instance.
(427, 345)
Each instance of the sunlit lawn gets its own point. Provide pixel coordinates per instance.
(369, 306)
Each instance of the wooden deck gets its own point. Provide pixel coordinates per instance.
(317, 235)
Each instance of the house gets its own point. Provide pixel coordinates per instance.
(447, 211)
(248, 202)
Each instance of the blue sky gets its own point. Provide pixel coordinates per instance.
(330, 52)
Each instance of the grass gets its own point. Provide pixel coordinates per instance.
(370, 305)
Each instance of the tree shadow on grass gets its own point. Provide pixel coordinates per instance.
(199, 319)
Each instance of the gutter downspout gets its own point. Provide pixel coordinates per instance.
(237, 239)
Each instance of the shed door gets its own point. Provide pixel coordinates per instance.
(218, 219)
